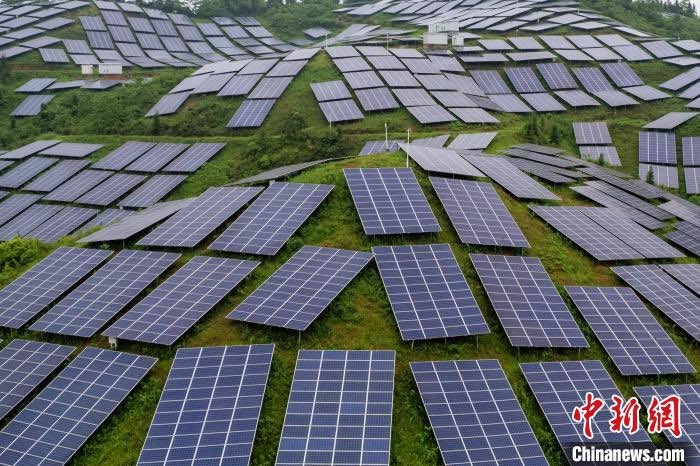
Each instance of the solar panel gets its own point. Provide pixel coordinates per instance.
(104, 218)
(691, 151)
(231, 380)
(200, 218)
(168, 104)
(525, 43)
(55, 424)
(682, 80)
(296, 294)
(65, 222)
(152, 191)
(593, 79)
(170, 310)
(622, 74)
(157, 157)
(630, 199)
(509, 177)
(427, 114)
(685, 241)
(474, 115)
(646, 93)
(272, 218)
(477, 213)
(683, 211)
(588, 235)
(543, 102)
(635, 341)
(123, 155)
(439, 160)
(379, 147)
(105, 293)
(354, 425)
(657, 148)
(524, 79)
(615, 98)
(574, 55)
(28, 149)
(28, 220)
(270, 88)
(25, 171)
(661, 49)
(592, 133)
(474, 413)
(577, 98)
(77, 185)
(15, 204)
(510, 103)
(350, 64)
(53, 55)
(399, 78)
(527, 303)
(42, 284)
(559, 387)
(251, 113)
(378, 98)
(490, 82)
(390, 201)
(71, 149)
(32, 105)
(341, 110)
(111, 189)
(35, 85)
(603, 199)
(331, 90)
(472, 141)
(428, 293)
(662, 175)
(670, 120)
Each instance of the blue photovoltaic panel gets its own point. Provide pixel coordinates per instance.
(25, 171)
(106, 217)
(28, 220)
(78, 185)
(477, 213)
(192, 224)
(105, 293)
(559, 387)
(251, 113)
(296, 294)
(157, 157)
(171, 309)
(124, 155)
(657, 147)
(265, 226)
(111, 189)
(428, 293)
(687, 274)
(63, 223)
(475, 416)
(16, 204)
(557, 76)
(530, 309)
(339, 409)
(56, 175)
(23, 366)
(209, 408)
(55, 424)
(669, 296)
(390, 201)
(45, 282)
(194, 157)
(152, 191)
(635, 341)
(689, 439)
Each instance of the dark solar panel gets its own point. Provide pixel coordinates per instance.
(157, 157)
(78, 185)
(25, 171)
(510, 178)
(251, 113)
(622, 74)
(378, 98)
(428, 114)
(45, 282)
(490, 82)
(670, 121)
(524, 79)
(341, 110)
(296, 294)
(105, 293)
(635, 341)
(440, 160)
(63, 223)
(168, 104)
(71, 149)
(28, 220)
(665, 293)
(592, 133)
(16, 204)
(339, 409)
(577, 98)
(23, 366)
(195, 222)
(331, 90)
(390, 200)
(475, 416)
(28, 149)
(559, 387)
(152, 191)
(212, 397)
(428, 293)
(106, 217)
(170, 310)
(272, 218)
(477, 213)
(630, 199)
(55, 424)
(687, 274)
(111, 189)
(527, 303)
(55, 176)
(593, 79)
(603, 199)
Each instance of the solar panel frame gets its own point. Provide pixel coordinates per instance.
(390, 201)
(233, 380)
(189, 226)
(181, 301)
(474, 413)
(428, 293)
(363, 383)
(100, 378)
(272, 219)
(302, 288)
(477, 213)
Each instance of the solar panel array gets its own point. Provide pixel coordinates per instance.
(510, 178)
(390, 201)
(189, 226)
(428, 293)
(477, 213)
(60, 419)
(170, 310)
(209, 407)
(527, 303)
(474, 413)
(296, 294)
(29, 294)
(559, 387)
(24, 365)
(272, 218)
(635, 341)
(105, 293)
(339, 409)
